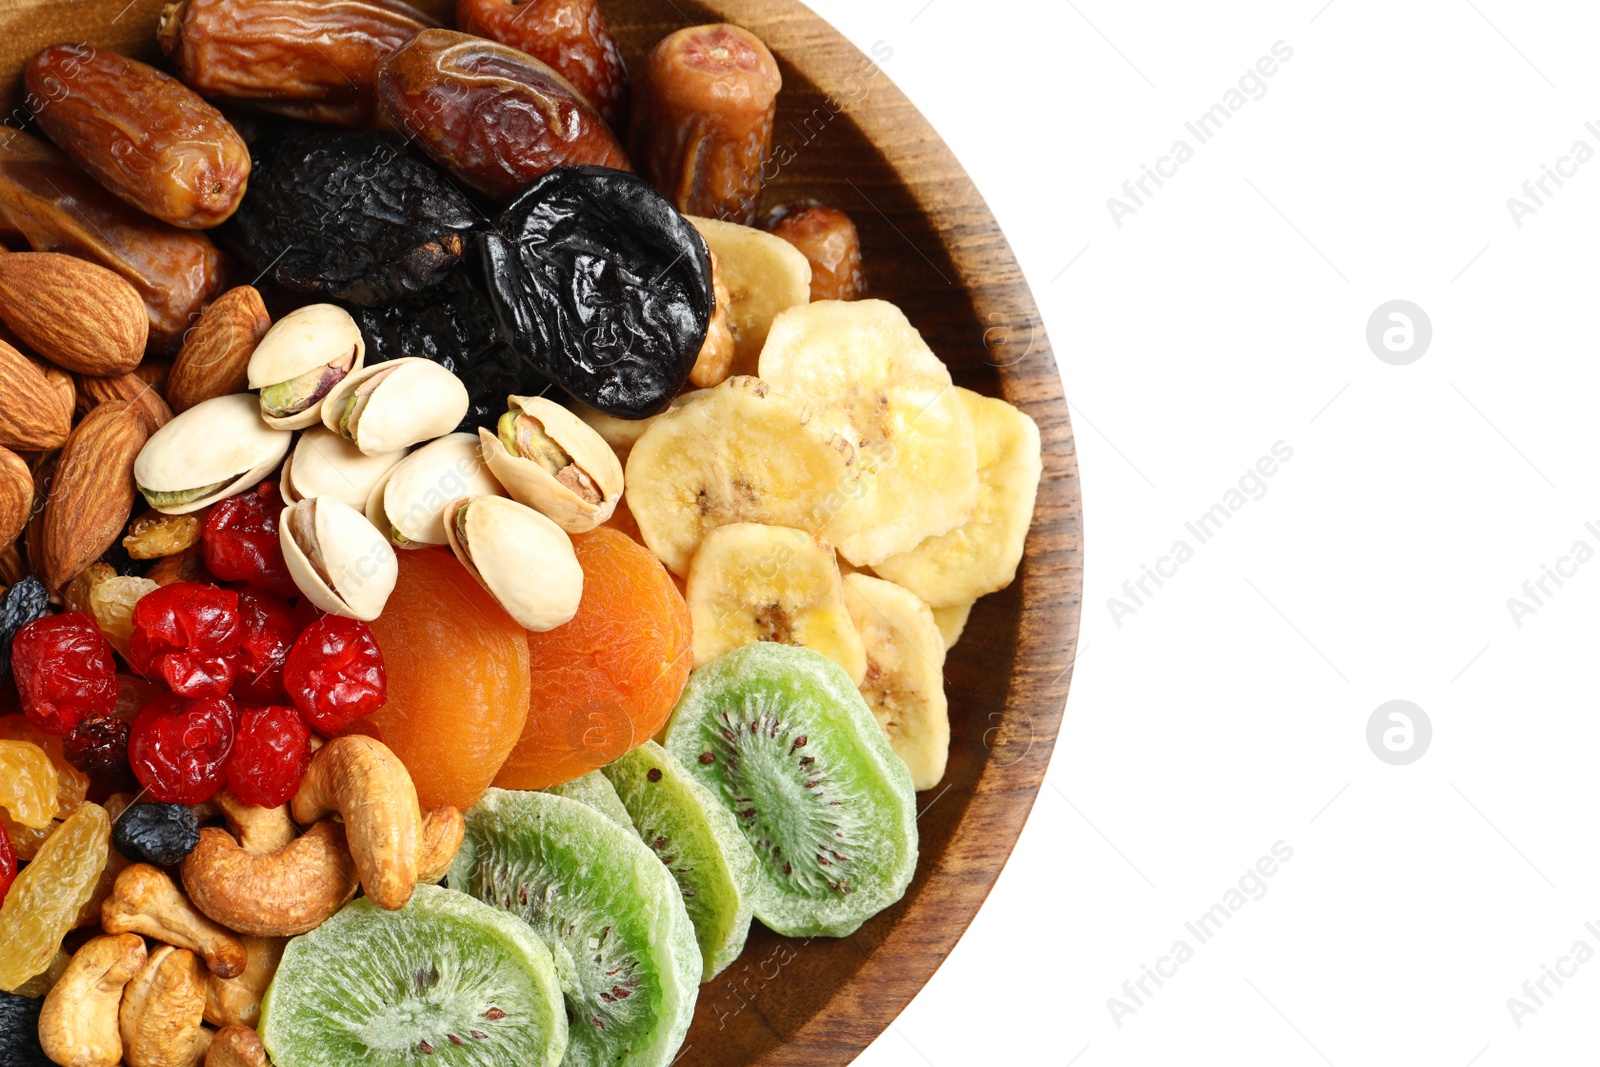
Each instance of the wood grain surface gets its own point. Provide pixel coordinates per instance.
(846, 135)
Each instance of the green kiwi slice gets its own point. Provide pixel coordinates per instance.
(783, 740)
(699, 842)
(446, 981)
(593, 789)
(608, 909)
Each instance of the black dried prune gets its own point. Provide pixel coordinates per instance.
(23, 602)
(603, 286)
(162, 834)
(19, 1032)
(349, 215)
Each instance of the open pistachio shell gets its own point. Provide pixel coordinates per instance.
(408, 503)
(521, 557)
(393, 405)
(336, 557)
(548, 459)
(208, 452)
(299, 361)
(325, 465)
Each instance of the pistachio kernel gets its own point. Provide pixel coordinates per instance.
(350, 418)
(302, 391)
(303, 528)
(524, 437)
(178, 497)
(461, 530)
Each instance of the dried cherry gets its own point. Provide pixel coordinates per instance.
(267, 629)
(270, 755)
(602, 286)
(335, 673)
(569, 35)
(187, 635)
(65, 670)
(241, 540)
(179, 748)
(160, 834)
(98, 746)
(23, 602)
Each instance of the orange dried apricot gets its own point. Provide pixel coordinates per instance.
(605, 682)
(457, 669)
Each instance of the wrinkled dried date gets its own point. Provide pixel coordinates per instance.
(349, 215)
(569, 35)
(828, 240)
(57, 208)
(495, 117)
(703, 109)
(309, 59)
(145, 135)
(602, 286)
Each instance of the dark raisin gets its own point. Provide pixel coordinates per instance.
(98, 746)
(349, 215)
(19, 1032)
(602, 286)
(22, 603)
(162, 834)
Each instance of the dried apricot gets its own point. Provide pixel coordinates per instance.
(606, 681)
(457, 668)
(44, 901)
(27, 783)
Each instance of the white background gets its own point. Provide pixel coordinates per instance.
(1229, 712)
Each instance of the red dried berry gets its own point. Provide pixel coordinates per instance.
(241, 540)
(8, 864)
(270, 754)
(64, 670)
(98, 747)
(179, 748)
(335, 673)
(187, 635)
(267, 629)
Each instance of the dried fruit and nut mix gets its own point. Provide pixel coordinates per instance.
(340, 750)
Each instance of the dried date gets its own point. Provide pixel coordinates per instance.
(602, 286)
(828, 240)
(142, 133)
(493, 116)
(570, 35)
(349, 215)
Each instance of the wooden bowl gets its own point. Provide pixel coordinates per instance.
(846, 135)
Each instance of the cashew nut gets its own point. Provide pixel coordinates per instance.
(443, 830)
(287, 892)
(367, 785)
(145, 900)
(259, 830)
(234, 1001)
(161, 1011)
(237, 1046)
(78, 1023)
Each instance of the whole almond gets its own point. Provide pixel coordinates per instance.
(74, 313)
(64, 388)
(216, 351)
(92, 492)
(131, 387)
(32, 418)
(16, 495)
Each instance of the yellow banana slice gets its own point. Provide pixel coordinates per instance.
(623, 434)
(980, 556)
(750, 583)
(740, 453)
(951, 621)
(904, 683)
(763, 274)
(875, 381)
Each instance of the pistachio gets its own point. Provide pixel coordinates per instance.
(208, 452)
(408, 503)
(337, 558)
(390, 406)
(520, 556)
(300, 360)
(552, 461)
(325, 465)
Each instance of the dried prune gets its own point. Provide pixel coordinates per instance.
(496, 117)
(570, 35)
(349, 215)
(19, 1032)
(602, 286)
(22, 603)
(162, 834)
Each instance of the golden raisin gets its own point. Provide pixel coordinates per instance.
(44, 901)
(111, 603)
(154, 535)
(25, 840)
(72, 785)
(76, 594)
(89, 914)
(27, 783)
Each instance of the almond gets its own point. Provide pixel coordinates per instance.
(16, 496)
(131, 387)
(76, 314)
(32, 418)
(92, 492)
(216, 351)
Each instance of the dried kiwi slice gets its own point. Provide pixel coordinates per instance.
(593, 789)
(608, 909)
(784, 741)
(446, 980)
(700, 843)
